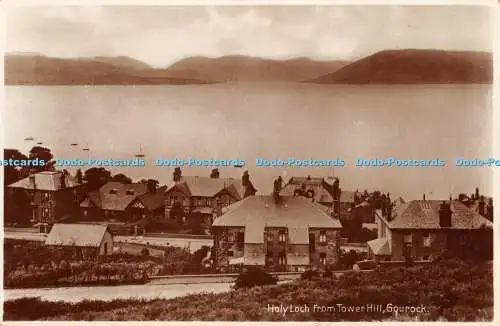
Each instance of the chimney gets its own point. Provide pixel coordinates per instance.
(245, 179)
(389, 212)
(445, 215)
(481, 207)
(477, 193)
(424, 197)
(177, 174)
(63, 180)
(277, 189)
(151, 185)
(489, 212)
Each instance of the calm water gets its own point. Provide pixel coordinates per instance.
(272, 121)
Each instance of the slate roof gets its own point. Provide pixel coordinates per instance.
(347, 196)
(153, 200)
(420, 214)
(47, 181)
(255, 213)
(208, 187)
(79, 235)
(379, 246)
(115, 196)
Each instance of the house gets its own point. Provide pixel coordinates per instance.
(134, 204)
(287, 233)
(53, 196)
(203, 198)
(423, 229)
(478, 203)
(82, 241)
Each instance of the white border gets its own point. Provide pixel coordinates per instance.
(496, 119)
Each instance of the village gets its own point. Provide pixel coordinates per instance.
(93, 228)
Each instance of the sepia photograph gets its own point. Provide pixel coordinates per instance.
(313, 163)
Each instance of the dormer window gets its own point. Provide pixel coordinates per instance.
(113, 191)
(130, 192)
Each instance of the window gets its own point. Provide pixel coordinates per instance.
(312, 242)
(425, 258)
(231, 237)
(282, 236)
(240, 239)
(270, 236)
(407, 238)
(322, 258)
(269, 257)
(85, 212)
(282, 258)
(45, 197)
(322, 237)
(426, 239)
(230, 253)
(45, 213)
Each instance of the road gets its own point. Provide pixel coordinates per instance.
(193, 243)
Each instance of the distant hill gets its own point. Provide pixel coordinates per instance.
(415, 67)
(33, 69)
(252, 69)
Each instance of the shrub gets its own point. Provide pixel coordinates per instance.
(309, 275)
(145, 252)
(254, 277)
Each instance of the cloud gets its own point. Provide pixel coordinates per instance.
(160, 35)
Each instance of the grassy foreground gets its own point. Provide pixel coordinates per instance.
(449, 290)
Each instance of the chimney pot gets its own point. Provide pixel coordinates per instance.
(445, 215)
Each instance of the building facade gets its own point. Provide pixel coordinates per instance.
(422, 230)
(53, 196)
(290, 234)
(203, 198)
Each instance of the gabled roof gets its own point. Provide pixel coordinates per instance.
(115, 196)
(424, 214)
(47, 181)
(346, 196)
(206, 187)
(79, 235)
(153, 200)
(255, 213)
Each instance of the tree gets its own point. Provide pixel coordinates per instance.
(215, 174)
(43, 154)
(122, 178)
(11, 173)
(96, 177)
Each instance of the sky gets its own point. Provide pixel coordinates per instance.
(161, 35)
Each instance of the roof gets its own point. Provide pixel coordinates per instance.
(379, 246)
(347, 196)
(424, 214)
(46, 180)
(207, 187)
(255, 213)
(116, 196)
(153, 200)
(79, 235)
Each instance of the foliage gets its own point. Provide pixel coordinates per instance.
(163, 226)
(254, 277)
(144, 252)
(96, 177)
(450, 290)
(215, 174)
(309, 275)
(122, 178)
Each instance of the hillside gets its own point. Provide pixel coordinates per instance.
(415, 67)
(252, 69)
(32, 69)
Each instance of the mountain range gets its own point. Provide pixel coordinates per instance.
(385, 67)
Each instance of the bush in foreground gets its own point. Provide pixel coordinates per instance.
(254, 277)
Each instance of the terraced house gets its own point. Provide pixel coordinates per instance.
(282, 233)
(421, 230)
